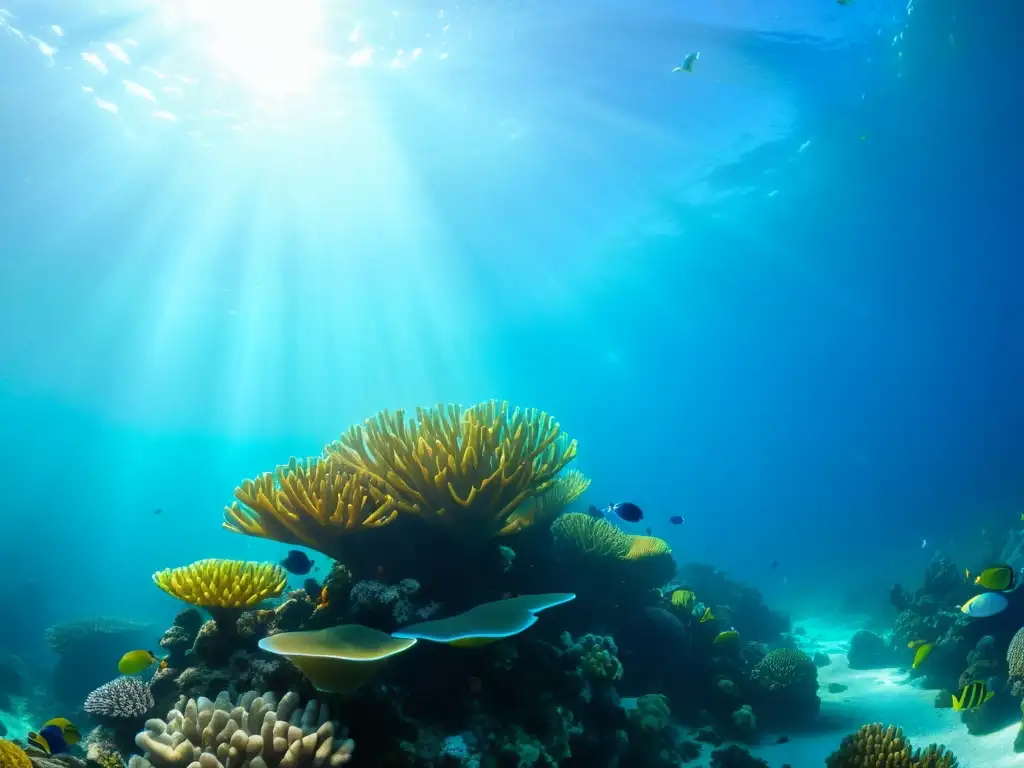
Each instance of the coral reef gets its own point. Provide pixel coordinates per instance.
(785, 687)
(878, 746)
(223, 585)
(869, 651)
(125, 698)
(255, 731)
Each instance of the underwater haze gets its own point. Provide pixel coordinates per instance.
(778, 295)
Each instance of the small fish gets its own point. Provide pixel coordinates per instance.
(972, 696)
(297, 562)
(922, 653)
(649, 531)
(708, 616)
(984, 605)
(158, 511)
(677, 519)
(729, 636)
(595, 512)
(924, 543)
(782, 739)
(967, 574)
(775, 564)
(999, 577)
(162, 665)
(688, 62)
(136, 661)
(56, 736)
(683, 598)
(844, 2)
(625, 510)
(323, 599)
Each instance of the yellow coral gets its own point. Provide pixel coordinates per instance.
(647, 546)
(591, 536)
(564, 491)
(223, 583)
(466, 468)
(13, 756)
(876, 746)
(316, 504)
(594, 536)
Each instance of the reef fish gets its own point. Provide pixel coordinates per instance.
(984, 605)
(56, 736)
(297, 562)
(677, 520)
(921, 654)
(688, 62)
(708, 616)
(971, 696)
(729, 636)
(683, 598)
(136, 661)
(998, 577)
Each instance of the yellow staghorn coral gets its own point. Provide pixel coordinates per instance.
(315, 504)
(565, 489)
(876, 746)
(466, 468)
(13, 756)
(223, 584)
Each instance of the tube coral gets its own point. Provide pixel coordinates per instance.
(464, 468)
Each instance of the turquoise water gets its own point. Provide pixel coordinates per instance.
(777, 295)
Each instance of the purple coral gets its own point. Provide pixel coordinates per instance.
(125, 698)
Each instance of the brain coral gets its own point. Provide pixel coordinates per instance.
(877, 746)
(785, 668)
(13, 756)
(249, 734)
(1015, 661)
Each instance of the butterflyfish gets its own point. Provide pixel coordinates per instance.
(999, 577)
(971, 696)
(708, 616)
(922, 653)
(984, 605)
(683, 598)
(136, 661)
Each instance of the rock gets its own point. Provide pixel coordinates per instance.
(821, 659)
(869, 651)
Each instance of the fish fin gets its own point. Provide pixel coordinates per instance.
(956, 703)
(36, 740)
(988, 696)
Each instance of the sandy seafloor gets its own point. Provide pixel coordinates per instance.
(873, 696)
(876, 695)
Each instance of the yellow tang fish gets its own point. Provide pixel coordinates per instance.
(708, 616)
(1000, 578)
(922, 653)
(972, 696)
(729, 636)
(136, 661)
(683, 598)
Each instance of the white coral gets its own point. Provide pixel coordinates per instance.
(200, 733)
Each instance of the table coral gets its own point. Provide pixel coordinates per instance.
(223, 587)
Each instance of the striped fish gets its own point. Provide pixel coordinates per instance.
(971, 696)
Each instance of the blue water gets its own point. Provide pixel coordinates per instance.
(779, 296)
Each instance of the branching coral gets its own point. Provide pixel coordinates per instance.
(591, 537)
(877, 746)
(465, 468)
(565, 489)
(230, 584)
(317, 503)
(125, 698)
(248, 734)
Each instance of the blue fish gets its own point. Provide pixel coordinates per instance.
(984, 605)
(625, 510)
(50, 739)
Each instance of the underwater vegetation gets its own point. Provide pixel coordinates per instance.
(469, 616)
